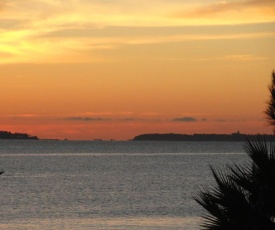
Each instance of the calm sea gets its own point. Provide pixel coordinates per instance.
(107, 185)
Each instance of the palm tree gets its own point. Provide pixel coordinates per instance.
(270, 111)
(244, 197)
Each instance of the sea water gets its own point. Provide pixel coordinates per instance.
(107, 184)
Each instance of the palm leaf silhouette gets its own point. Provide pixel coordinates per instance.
(244, 197)
(270, 111)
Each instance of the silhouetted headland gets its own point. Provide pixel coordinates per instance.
(23, 136)
(203, 137)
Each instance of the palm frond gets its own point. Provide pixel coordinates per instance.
(244, 196)
(270, 111)
(242, 176)
(258, 152)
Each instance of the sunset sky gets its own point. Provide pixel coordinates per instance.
(106, 69)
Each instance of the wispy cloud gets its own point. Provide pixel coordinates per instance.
(225, 6)
(131, 119)
(113, 119)
(225, 12)
(88, 119)
(221, 120)
(244, 57)
(25, 47)
(54, 31)
(185, 119)
(23, 116)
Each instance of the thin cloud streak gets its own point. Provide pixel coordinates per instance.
(222, 7)
(113, 119)
(231, 12)
(60, 51)
(185, 119)
(244, 57)
(88, 119)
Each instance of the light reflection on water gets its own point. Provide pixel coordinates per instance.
(171, 223)
(111, 154)
(107, 185)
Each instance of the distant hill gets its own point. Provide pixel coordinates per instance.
(9, 135)
(202, 137)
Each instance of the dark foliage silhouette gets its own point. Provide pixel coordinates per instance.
(270, 111)
(244, 197)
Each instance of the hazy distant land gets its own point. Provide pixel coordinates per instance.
(203, 137)
(9, 135)
(166, 137)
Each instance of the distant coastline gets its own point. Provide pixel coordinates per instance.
(203, 137)
(21, 136)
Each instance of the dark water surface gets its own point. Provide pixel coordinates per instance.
(107, 185)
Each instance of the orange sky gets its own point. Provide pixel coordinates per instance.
(82, 69)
